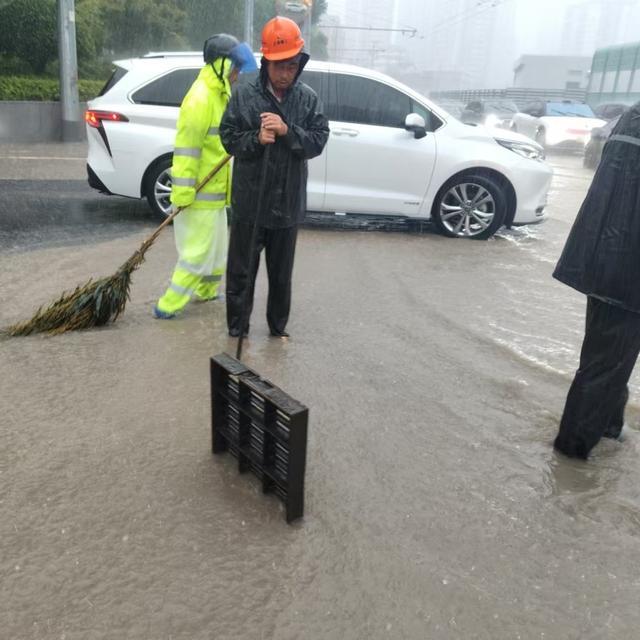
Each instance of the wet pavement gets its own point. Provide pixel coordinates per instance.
(435, 372)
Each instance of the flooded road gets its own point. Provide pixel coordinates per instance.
(435, 372)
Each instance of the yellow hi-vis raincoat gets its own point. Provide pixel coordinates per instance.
(201, 229)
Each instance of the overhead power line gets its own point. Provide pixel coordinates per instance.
(411, 31)
(481, 6)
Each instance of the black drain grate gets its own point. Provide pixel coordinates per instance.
(263, 427)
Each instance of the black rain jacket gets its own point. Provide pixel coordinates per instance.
(601, 257)
(286, 193)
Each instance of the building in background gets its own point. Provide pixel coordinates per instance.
(552, 72)
(460, 43)
(615, 75)
(591, 24)
(474, 44)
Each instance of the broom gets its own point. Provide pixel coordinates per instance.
(97, 302)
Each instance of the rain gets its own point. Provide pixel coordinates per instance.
(429, 338)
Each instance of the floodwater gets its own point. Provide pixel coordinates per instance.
(435, 372)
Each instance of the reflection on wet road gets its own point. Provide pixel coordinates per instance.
(51, 212)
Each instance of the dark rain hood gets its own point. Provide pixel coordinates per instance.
(602, 255)
(286, 194)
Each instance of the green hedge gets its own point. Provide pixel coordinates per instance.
(43, 89)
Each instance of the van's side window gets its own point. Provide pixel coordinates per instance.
(364, 101)
(169, 90)
(319, 82)
(431, 120)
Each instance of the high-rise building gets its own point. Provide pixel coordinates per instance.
(461, 43)
(365, 41)
(590, 24)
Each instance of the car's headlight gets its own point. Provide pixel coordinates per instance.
(524, 149)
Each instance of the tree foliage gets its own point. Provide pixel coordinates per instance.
(28, 31)
(133, 27)
(203, 18)
(43, 89)
(113, 28)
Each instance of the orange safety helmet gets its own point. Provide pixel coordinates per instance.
(281, 39)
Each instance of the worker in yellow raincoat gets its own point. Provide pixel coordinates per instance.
(201, 229)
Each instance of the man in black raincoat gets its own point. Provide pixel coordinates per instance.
(602, 259)
(276, 110)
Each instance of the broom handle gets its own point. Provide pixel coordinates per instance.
(244, 316)
(151, 239)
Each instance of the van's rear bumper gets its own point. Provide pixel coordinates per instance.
(95, 182)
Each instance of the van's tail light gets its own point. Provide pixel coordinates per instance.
(95, 118)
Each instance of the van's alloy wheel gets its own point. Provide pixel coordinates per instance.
(470, 207)
(162, 191)
(157, 187)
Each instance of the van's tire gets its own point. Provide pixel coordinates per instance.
(470, 206)
(157, 187)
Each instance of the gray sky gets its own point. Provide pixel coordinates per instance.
(534, 19)
(510, 29)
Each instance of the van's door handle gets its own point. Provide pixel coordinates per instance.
(352, 133)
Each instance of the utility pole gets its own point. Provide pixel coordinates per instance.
(249, 6)
(67, 56)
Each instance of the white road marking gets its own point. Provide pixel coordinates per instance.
(37, 158)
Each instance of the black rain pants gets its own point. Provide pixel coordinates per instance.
(598, 395)
(279, 246)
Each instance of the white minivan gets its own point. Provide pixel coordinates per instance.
(391, 150)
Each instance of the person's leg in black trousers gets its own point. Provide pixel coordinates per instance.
(616, 422)
(238, 264)
(280, 253)
(597, 397)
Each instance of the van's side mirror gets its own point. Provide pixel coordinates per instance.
(415, 122)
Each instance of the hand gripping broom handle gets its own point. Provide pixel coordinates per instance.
(151, 239)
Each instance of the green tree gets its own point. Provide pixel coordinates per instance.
(89, 36)
(203, 18)
(133, 27)
(28, 32)
(266, 9)
(319, 9)
(206, 17)
(319, 44)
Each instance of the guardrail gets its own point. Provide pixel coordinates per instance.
(517, 95)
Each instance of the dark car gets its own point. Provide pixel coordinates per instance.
(593, 148)
(490, 112)
(610, 111)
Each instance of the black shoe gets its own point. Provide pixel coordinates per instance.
(235, 333)
(279, 334)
